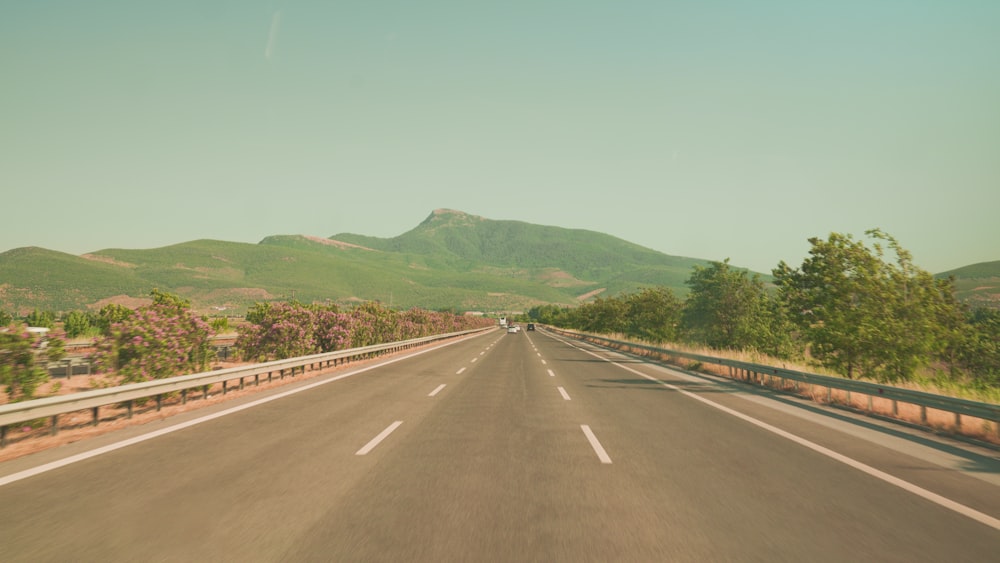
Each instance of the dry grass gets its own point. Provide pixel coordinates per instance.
(937, 420)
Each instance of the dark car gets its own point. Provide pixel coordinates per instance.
(531, 326)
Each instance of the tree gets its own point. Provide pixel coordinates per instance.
(76, 323)
(653, 314)
(23, 360)
(860, 314)
(155, 341)
(5, 318)
(110, 314)
(43, 319)
(726, 308)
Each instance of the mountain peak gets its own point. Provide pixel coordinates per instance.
(440, 217)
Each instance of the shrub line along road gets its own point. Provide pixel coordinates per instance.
(509, 447)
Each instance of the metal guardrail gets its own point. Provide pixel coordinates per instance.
(762, 374)
(52, 407)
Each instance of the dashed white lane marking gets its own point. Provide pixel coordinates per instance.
(551, 373)
(44, 468)
(439, 388)
(378, 439)
(564, 394)
(483, 352)
(594, 443)
(945, 502)
(474, 360)
(459, 372)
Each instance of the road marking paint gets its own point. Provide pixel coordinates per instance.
(45, 468)
(564, 394)
(601, 454)
(459, 372)
(539, 354)
(474, 360)
(942, 501)
(439, 387)
(483, 352)
(544, 362)
(551, 373)
(378, 439)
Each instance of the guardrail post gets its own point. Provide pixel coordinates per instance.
(55, 425)
(184, 396)
(256, 380)
(241, 384)
(131, 407)
(204, 392)
(225, 388)
(923, 415)
(159, 402)
(96, 416)
(829, 395)
(895, 407)
(958, 421)
(869, 404)
(3, 436)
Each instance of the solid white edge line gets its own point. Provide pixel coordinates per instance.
(942, 501)
(439, 388)
(598, 448)
(13, 477)
(564, 394)
(378, 439)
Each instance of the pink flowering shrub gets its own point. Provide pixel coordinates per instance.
(160, 340)
(287, 330)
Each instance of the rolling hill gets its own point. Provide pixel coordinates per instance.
(977, 284)
(451, 260)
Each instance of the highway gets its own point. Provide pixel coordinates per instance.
(508, 447)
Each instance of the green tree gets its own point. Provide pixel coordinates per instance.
(76, 323)
(5, 318)
(23, 360)
(653, 314)
(863, 315)
(110, 314)
(44, 319)
(726, 308)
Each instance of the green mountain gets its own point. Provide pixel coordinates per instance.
(977, 284)
(451, 260)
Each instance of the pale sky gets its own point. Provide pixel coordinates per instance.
(704, 129)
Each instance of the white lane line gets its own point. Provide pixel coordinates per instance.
(44, 468)
(860, 466)
(539, 354)
(459, 372)
(483, 352)
(474, 360)
(378, 439)
(439, 388)
(564, 394)
(601, 454)
(551, 373)
(544, 363)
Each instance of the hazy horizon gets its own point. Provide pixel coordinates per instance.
(686, 128)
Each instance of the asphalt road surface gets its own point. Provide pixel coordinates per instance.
(508, 447)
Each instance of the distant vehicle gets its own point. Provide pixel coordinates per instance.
(512, 330)
(503, 321)
(531, 326)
